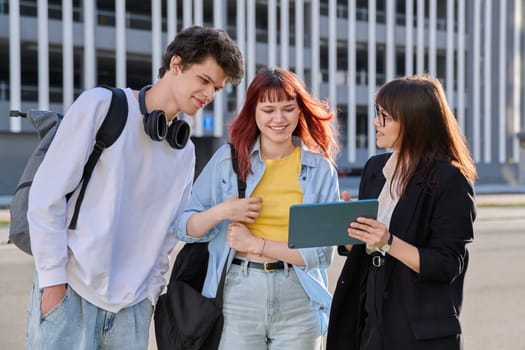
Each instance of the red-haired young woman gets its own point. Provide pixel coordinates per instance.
(286, 142)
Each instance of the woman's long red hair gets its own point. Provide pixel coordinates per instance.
(316, 122)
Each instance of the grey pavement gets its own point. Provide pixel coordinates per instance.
(494, 300)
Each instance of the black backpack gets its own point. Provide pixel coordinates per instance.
(46, 124)
(185, 319)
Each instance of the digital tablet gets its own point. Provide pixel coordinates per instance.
(326, 224)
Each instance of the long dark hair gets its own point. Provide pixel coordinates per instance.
(315, 127)
(428, 129)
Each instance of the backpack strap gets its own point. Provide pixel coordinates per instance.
(241, 185)
(241, 188)
(107, 134)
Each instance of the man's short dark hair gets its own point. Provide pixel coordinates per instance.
(196, 43)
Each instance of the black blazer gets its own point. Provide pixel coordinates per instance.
(420, 311)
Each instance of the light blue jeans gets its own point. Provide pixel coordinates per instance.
(268, 311)
(76, 324)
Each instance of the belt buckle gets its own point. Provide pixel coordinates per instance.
(266, 265)
(377, 261)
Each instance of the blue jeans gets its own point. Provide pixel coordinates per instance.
(76, 324)
(268, 310)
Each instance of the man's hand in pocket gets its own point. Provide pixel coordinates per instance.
(52, 296)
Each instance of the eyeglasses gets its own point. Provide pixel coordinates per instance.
(381, 116)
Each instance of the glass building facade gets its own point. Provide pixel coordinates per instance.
(343, 50)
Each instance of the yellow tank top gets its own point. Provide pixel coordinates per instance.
(279, 188)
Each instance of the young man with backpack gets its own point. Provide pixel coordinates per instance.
(95, 285)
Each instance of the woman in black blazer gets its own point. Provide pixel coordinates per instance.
(403, 289)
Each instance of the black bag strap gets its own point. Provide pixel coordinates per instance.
(241, 185)
(220, 288)
(107, 134)
(241, 189)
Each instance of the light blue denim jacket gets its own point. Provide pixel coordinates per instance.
(218, 181)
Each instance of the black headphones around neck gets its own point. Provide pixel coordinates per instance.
(156, 125)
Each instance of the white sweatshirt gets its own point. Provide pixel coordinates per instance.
(119, 253)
